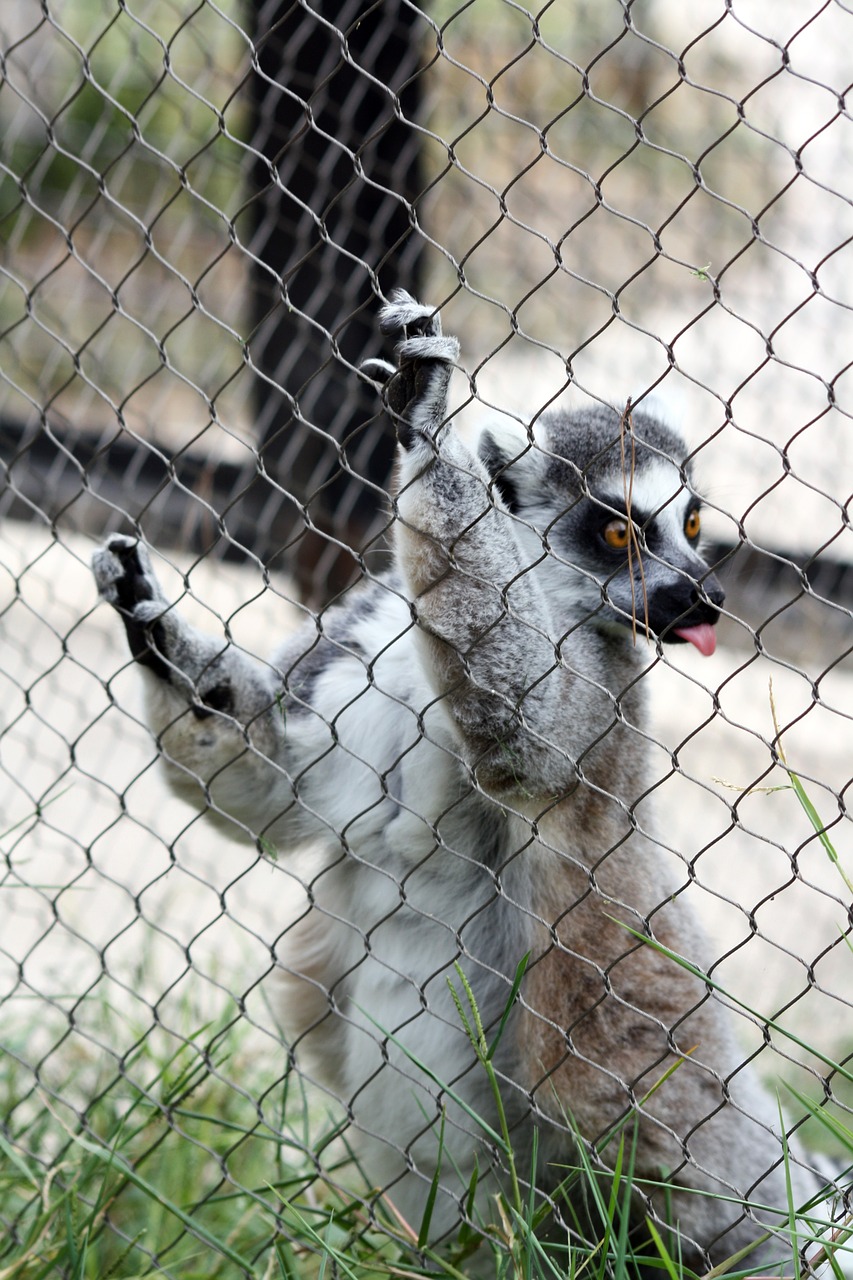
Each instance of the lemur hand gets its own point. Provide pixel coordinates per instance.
(126, 580)
(416, 390)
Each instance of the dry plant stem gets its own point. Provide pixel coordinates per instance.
(626, 425)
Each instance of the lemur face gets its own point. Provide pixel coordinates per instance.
(619, 514)
(642, 567)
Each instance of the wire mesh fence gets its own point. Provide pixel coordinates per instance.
(228, 1040)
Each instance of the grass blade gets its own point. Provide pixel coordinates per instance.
(423, 1234)
(771, 1023)
(520, 971)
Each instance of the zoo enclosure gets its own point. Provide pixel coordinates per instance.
(200, 209)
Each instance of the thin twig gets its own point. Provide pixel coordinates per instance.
(626, 425)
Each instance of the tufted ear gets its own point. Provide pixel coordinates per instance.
(512, 462)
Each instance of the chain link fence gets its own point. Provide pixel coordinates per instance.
(203, 208)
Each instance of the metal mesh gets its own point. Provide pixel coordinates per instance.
(202, 208)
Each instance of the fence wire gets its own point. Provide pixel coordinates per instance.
(203, 208)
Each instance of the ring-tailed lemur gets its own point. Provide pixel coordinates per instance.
(464, 743)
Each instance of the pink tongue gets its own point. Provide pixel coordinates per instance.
(704, 637)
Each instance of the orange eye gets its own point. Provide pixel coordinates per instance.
(617, 534)
(692, 525)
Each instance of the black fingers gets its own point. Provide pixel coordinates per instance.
(146, 638)
(416, 393)
(134, 584)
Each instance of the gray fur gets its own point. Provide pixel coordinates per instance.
(463, 747)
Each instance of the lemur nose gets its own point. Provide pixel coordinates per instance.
(709, 590)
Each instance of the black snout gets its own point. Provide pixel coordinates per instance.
(714, 592)
(684, 604)
(707, 593)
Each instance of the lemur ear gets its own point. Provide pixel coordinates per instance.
(509, 457)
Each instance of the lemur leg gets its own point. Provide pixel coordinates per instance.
(213, 708)
(480, 613)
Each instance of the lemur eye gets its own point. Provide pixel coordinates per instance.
(617, 534)
(692, 525)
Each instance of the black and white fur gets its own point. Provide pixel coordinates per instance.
(463, 745)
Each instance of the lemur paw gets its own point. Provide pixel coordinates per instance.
(417, 389)
(126, 580)
(420, 326)
(123, 573)
(404, 311)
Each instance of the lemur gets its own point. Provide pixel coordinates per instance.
(464, 744)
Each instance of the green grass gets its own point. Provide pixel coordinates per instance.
(187, 1157)
(186, 1163)
(190, 1161)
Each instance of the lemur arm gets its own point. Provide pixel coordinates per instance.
(216, 711)
(479, 610)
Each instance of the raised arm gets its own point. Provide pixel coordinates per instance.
(483, 622)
